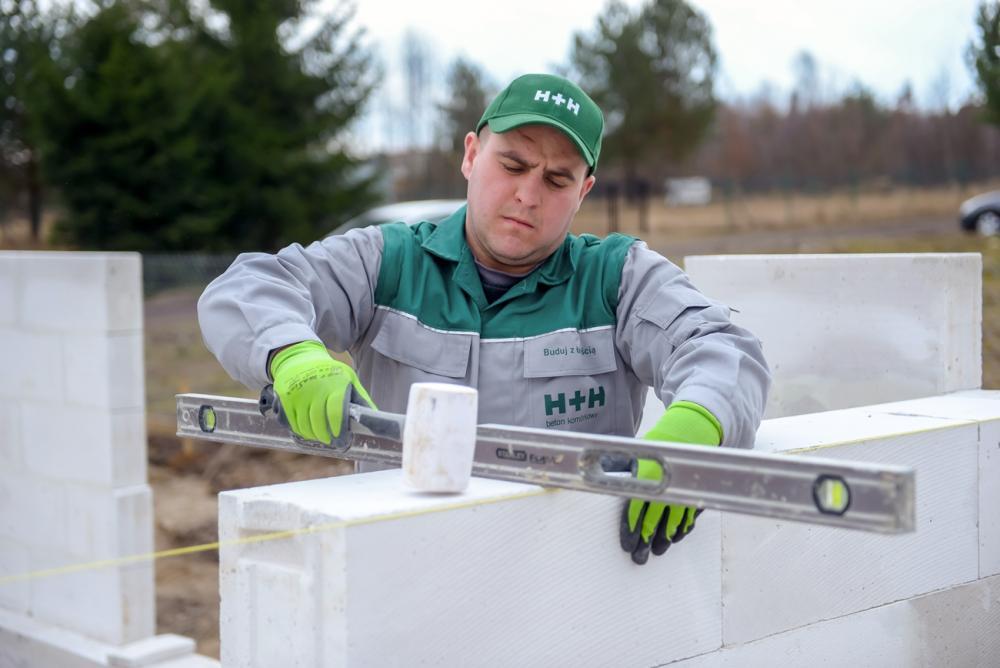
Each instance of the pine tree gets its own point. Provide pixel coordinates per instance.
(164, 133)
(284, 168)
(985, 58)
(27, 37)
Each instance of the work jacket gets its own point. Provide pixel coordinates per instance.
(573, 345)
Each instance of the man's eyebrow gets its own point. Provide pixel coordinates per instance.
(514, 157)
(561, 172)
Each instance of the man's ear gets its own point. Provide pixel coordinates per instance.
(471, 153)
(588, 183)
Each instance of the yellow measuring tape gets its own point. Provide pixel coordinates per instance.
(259, 538)
(162, 554)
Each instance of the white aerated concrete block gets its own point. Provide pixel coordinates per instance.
(959, 626)
(112, 604)
(803, 574)
(27, 643)
(151, 651)
(104, 370)
(79, 292)
(32, 364)
(32, 511)
(124, 292)
(10, 292)
(69, 443)
(91, 521)
(128, 451)
(14, 559)
(189, 661)
(652, 411)
(85, 445)
(989, 499)
(853, 330)
(87, 602)
(134, 510)
(983, 406)
(502, 575)
(11, 452)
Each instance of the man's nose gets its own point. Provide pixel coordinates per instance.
(529, 191)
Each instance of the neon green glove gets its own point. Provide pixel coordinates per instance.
(650, 526)
(313, 388)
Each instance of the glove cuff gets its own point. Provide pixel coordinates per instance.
(687, 422)
(303, 348)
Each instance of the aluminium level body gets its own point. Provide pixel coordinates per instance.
(853, 495)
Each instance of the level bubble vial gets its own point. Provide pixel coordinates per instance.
(832, 495)
(206, 419)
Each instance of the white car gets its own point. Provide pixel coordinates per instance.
(981, 214)
(410, 213)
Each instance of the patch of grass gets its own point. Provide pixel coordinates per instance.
(177, 360)
(774, 211)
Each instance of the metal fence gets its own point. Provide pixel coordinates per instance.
(166, 271)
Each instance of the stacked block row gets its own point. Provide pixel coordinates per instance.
(510, 574)
(72, 441)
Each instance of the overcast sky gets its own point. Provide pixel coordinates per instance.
(882, 43)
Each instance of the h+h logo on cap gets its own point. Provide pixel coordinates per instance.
(558, 99)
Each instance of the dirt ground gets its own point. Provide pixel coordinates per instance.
(186, 476)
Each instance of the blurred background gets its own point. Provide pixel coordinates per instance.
(192, 130)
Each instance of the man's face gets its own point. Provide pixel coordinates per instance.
(525, 186)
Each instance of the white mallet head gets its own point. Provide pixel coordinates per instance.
(439, 438)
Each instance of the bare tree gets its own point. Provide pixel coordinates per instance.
(806, 71)
(417, 69)
(466, 98)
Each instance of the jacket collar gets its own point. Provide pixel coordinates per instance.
(447, 242)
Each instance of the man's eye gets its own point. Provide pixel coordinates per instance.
(513, 169)
(557, 183)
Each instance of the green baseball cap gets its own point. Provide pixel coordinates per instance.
(549, 100)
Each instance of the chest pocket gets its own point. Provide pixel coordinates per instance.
(570, 353)
(410, 352)
(572, 381)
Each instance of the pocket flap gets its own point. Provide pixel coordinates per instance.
(669, 302)
(408, 341)
(570, 353)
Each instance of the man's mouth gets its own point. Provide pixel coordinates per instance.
(518, 221)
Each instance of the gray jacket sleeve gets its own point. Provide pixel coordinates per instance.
(684, 345)
(322, 292)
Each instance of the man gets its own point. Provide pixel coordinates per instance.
(555, 331)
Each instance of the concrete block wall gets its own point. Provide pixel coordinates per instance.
(851, 329)
(952, 627)
(73, 465)
(73, 481)
(855, 329)
(510, 574)
(505, 574)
